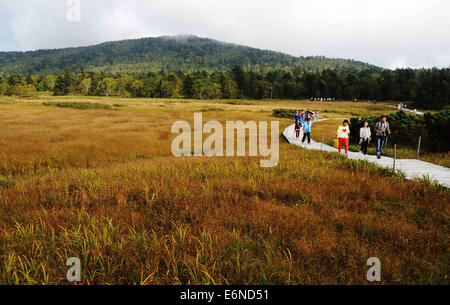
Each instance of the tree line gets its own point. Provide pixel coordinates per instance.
(427, 88)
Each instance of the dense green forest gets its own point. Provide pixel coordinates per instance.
(426, 88)
(177, 53)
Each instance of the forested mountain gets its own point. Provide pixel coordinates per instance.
(193, 67)
(170, 53)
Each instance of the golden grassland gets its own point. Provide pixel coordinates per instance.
(102, 185)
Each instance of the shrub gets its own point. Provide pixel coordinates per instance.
(406, 129)
(3, 89)
(211, 109)
(25, 91)
(78, 105)
(284, 113)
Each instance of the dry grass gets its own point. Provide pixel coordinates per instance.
(403, 152)
(102, 185)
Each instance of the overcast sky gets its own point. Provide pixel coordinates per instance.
(388, 33)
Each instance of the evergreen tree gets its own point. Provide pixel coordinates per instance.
(188, 87)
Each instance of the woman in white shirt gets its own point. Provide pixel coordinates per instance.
(365, 136)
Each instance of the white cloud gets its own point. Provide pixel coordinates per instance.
(399, 62)
(442, 59)
(383, 32)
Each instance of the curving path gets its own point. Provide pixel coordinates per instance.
(405, 109)
(412, 168)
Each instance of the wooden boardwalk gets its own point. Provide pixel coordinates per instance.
(412, 168)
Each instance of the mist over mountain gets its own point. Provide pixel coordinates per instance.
(185, 53)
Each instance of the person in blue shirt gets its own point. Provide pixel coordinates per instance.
(302, 117)
(307, 132)
(297, 117)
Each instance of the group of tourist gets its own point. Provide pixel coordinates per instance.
(401, 106)
(322, 99)
(303, 121)
(381, 128)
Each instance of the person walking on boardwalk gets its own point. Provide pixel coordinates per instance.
(365, 136)
(308, 115)
(343, 134)
(298, 127)
(302, 117)
(382, 130)
(313, 116)
(307, 132)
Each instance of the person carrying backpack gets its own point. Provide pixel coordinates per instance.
(343, 134)
(308, 116)
(382, 130)
(302, 118)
